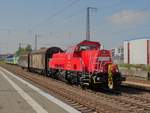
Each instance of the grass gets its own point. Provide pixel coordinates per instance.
(2, 61)
(136, 66)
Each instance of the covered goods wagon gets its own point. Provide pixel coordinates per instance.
(38, 60)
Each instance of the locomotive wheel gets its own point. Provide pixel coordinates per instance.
(82, 86)
(61, 75)
(54, 73)
(68, 78)
(91, 83)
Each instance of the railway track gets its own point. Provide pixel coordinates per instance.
(125, 101)
(130, 100)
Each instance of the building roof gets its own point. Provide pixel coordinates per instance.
(144, 38)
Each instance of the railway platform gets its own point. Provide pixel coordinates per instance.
(19, 96)
(137, 82)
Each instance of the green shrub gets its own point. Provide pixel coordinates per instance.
(136, 66)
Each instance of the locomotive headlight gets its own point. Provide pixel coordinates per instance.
(117, 70)
(98, 78)
(101, 70)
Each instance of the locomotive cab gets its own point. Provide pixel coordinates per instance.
(98, 66)
(104, 71)
(85, 45)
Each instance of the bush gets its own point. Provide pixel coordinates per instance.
(136, 66)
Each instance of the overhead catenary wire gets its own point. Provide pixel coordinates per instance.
(55, 14)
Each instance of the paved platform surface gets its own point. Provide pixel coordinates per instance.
(19, 96)
(144, 85)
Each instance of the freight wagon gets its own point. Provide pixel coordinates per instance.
(23, 61)
(37, 61)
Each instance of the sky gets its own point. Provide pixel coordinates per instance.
(63, 22)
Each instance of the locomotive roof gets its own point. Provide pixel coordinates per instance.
(42, 50)
(86, 42)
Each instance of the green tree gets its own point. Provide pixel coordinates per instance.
(22, 51)
(28, 48)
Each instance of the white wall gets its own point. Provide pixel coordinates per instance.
(125, 52)
(138, 51)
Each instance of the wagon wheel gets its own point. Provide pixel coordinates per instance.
(91, 83)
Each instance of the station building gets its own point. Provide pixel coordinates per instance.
(137, 51)
(117, 54)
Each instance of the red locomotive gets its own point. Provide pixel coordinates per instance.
(86, 64)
